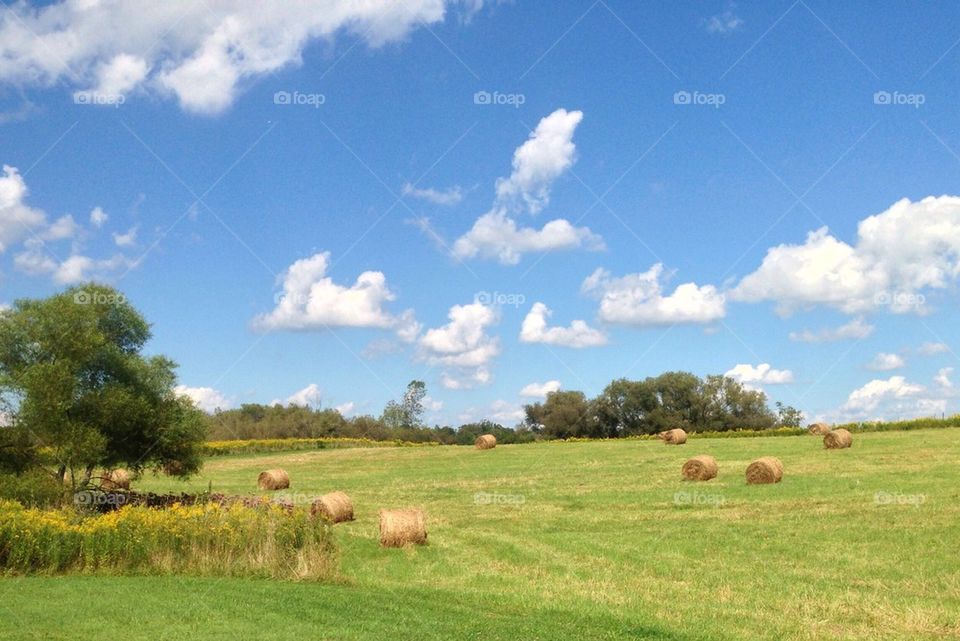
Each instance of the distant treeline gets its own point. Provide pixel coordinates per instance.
(902, 426)
(253, 421)
(623, 408)
(712, 405)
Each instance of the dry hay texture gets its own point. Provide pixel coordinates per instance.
(700, 468)
(766, 469)
(116, 480)
(402, 527)
(273, 480)
(336, 507)
(819, 429)
(837, 439)
(486, 442)
(673, 437)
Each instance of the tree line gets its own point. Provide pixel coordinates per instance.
(623, 408)
(655, 404)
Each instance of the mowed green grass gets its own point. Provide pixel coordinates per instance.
(601, 547)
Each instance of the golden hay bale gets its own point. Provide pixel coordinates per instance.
(766, 469)
(400, 527)
(118, 479)
(273, 480)
(837, 439)
(673, 437)
(336, 507)
(700, 468)
(819, 429)
(486, 442)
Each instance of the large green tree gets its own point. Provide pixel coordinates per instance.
(562, 415)
(623, 407)
(83, 395)
(409, 411)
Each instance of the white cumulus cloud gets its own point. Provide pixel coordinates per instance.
(345, 409)
(497, 236)
(462, 346)
(899, 254)
(126, 240)
(535, 330)
(943, 378)
(539, 390)
(755, 376)
(886, 361)
(639, 299)
(205, 398)
(309, 396)
(537, 163)
(311, 300)
(17, 219)
(199, 52)
(98, 217)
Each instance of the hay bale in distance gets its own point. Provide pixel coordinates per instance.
(486, 442)
(837, 439)
(336, 507)
(766, 469)
(402, 527)
(700, 468)
(273, 480)
(818, 429)
(118, 479)
(674, 437)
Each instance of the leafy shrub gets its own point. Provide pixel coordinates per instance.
(204, 539)
(34, 488)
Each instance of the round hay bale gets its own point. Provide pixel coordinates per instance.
(837, 439)
(118, 479)
(819, 429)
(486, 442)
(336, 507)
(700, 468)
(273, 480)
(402, 527)
(766, 469)
(674, 437)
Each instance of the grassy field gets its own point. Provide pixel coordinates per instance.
(594, 540)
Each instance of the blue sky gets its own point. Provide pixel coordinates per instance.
(322, 203)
